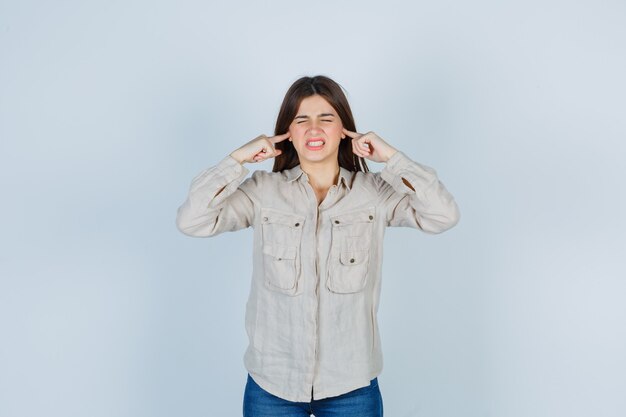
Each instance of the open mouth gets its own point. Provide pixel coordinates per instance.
(315, 143)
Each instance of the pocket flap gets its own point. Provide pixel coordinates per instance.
(269, 215)
(279, 252)
(366, 215)
(352, 257)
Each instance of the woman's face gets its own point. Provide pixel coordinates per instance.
(316, 131)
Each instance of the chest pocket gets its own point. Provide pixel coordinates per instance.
(282, 235)
(350, 250)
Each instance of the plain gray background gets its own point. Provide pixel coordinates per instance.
(108, 109)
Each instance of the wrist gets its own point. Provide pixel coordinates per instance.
(391, 153)
(237, 157)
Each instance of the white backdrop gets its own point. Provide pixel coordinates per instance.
(108, 109)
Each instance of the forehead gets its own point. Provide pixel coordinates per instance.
(314, 105)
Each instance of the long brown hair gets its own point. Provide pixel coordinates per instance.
(331, 92)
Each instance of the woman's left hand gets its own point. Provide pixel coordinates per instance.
(370, 146)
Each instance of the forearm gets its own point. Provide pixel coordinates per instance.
(422, 200)
(208, 192)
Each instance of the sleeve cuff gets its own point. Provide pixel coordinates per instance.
(230, 169)
(400, 166)
(226, 171)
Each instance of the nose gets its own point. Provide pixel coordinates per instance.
(315, 127)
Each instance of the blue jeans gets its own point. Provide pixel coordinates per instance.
(362, 402)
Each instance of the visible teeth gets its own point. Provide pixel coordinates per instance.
(315, 143)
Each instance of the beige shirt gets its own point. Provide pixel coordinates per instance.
(311, 312)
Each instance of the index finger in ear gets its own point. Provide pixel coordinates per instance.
(279, 138)
(353, 135)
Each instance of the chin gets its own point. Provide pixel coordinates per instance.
(318, 158)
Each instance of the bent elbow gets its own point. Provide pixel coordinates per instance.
(443, 221)
(193, 226)
(455, 215)
(198, 230)
(184, 227)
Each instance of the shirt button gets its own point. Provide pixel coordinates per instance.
(371, 217)
(297, 224)
(265, 219)
(351, 260)
(336, 221)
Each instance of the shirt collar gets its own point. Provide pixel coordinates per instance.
(296, 172)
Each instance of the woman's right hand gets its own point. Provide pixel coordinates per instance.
(259, 149)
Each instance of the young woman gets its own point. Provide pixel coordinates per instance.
(319, 219)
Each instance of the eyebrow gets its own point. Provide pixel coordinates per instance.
(302, 116)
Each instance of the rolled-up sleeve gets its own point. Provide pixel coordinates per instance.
(217, 201)
(426, 204)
